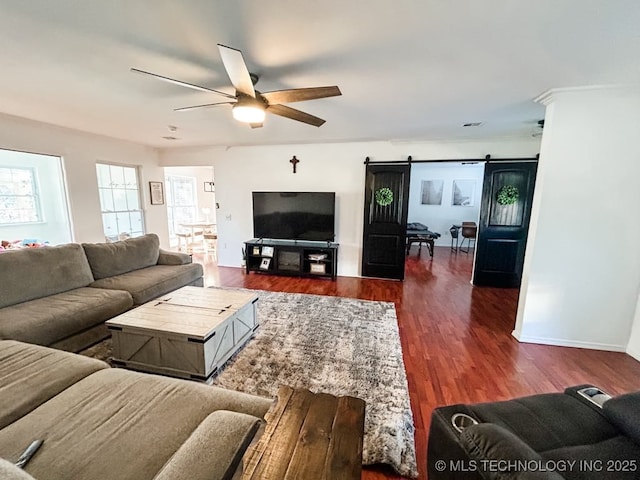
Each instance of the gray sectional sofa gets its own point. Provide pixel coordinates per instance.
(61, 296)
(103, 423)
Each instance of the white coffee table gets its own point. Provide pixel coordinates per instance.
(188, 333)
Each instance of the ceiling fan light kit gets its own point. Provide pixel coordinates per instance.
(249, 105)
(248, 114)
(249, 110)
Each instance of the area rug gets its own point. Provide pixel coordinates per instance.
(341, 346)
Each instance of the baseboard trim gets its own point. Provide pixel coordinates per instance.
(634, 353)
(560, 342)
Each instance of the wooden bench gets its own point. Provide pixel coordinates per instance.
(308, 436)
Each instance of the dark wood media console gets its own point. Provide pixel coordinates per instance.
(292, 257)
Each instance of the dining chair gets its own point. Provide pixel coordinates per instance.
(210, 243)
(469, 232)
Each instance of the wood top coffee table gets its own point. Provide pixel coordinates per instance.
(188, 333)
(308, 436)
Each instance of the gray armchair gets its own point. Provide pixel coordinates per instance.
(579, 434)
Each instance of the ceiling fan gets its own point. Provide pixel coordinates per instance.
(250, 105)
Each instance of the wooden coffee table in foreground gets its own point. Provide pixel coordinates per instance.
(308, 436)
(188, 333)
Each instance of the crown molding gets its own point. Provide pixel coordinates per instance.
(549, 96)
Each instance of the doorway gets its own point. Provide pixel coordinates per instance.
(443, 195)
(191, 209)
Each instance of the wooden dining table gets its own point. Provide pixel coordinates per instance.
(204, 226)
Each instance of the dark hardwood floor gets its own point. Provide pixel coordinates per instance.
(456, 338)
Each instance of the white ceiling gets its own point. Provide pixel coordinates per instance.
(409, 70)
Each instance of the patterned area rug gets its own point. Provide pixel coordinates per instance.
(341, 346)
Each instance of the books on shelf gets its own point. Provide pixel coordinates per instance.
(316, 257)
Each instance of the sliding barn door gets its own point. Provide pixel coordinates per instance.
(507, 194)
(385, 220)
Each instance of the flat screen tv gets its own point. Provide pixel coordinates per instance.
(294, 215)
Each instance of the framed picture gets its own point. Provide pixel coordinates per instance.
(264, 265)
(256, 250)
(157, 193)
(463, 193)
(208, 186)
(267, 251)
(431, 193)
(317, 268)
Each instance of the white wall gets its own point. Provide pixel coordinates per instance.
(80, 152)
(439, 218)
(633, 347)
(323, 167)
(582, 266)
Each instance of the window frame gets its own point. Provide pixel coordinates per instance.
(112, 188)
(35, 187)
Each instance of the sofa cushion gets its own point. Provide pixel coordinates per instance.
(32, 273)
(624, 412)
(82, 340)
(151, 282)
(30, 375)
(109, 259)
(8, 471)
(48, 320)
(98, 428)
(173, 258)
(226, 433)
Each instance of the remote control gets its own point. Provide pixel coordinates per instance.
(28, 453)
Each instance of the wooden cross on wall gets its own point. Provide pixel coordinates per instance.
(294, 161)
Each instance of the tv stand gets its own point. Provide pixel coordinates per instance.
(292, 257)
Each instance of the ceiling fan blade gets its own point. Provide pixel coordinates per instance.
(294, 114)
(206, 105)
(256, 125)
(183, 84)
(237, 70)
(300, 94)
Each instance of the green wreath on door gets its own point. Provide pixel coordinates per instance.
(508, 195)
(384, 196)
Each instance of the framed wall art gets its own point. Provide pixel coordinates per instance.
(431, 193)
(463, 193)
(157, 193)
